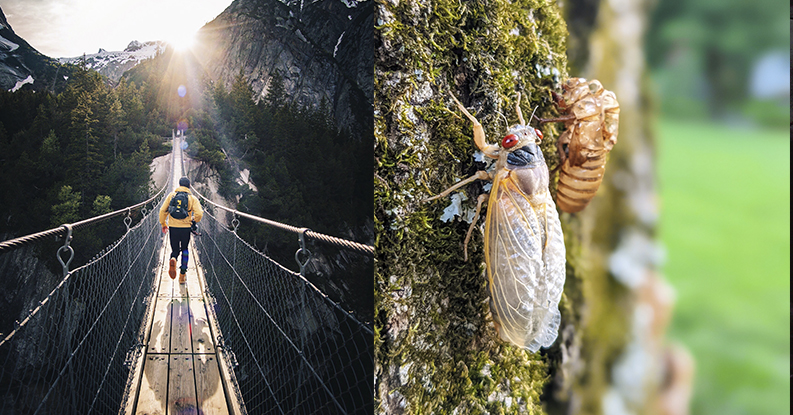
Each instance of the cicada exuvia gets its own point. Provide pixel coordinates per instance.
(524, 245)
(591, 117)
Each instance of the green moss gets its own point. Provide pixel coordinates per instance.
(436, 347)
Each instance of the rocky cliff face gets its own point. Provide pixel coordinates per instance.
(22, 66)
(322, 50)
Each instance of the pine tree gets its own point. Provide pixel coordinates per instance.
(116, 121)
(85, 160)
(276, 94)
(67, 210)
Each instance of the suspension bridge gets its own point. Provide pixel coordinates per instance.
(244, 335)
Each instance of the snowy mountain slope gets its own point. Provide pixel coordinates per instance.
(23, 66)
(114, 64)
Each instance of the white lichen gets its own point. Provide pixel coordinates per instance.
(455, 208)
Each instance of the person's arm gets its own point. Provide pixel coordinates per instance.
(198, 211)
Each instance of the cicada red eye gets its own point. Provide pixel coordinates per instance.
(509, 141)
(539, 133)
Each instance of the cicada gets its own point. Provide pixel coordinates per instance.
(524, 245)
(591, 117)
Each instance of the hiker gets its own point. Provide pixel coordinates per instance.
(182, 210)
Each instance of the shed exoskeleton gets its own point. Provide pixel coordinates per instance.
(591, 117)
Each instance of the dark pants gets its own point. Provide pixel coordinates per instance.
(180, 238)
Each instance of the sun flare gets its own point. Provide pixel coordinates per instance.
(181, 40)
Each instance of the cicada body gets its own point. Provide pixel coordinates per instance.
(524, 245)
(524, 251)
(591, 126)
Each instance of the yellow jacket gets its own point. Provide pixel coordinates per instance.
(194, 210)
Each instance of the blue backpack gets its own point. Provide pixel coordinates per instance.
(178, 206)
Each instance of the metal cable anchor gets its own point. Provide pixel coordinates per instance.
(235, 222)
(66, 248)
(128, 219)
(303, 250)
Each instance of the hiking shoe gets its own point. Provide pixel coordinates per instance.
(172, 268)
(182, 278)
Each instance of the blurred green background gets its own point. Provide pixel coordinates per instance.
(723, 85)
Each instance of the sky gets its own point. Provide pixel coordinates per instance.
(69, 28)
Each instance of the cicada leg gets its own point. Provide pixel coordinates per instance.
(563, 140)
(563, 144)
(490, 150)
(517, 109)
(563, 118)
(481, 199)
(480, 175)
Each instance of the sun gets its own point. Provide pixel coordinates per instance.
(181, 40)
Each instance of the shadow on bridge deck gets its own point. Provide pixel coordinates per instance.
(180, 370)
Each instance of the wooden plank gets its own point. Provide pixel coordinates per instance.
(136, 374)
(211, 399)
(193, 287)
(165, 289)
(153, 386)
(202, 336)
(199, 272)
(179, 290)
(229, 379)
(160, 338)
(181, 385)
(180, 326)
(166, 283)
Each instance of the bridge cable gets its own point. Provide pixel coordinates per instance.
(332, 240)
(65, 229)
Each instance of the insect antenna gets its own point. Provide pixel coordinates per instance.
(517, 108)
(506, 123)
(535, 110)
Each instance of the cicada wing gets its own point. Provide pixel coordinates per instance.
(553, 254)
(554, 259)
(523, 304)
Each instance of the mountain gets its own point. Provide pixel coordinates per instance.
(322, 50)
(114, 64)
(22, 66)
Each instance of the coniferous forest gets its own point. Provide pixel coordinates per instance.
(75, 154)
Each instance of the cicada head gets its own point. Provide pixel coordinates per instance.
(575, 89)
(521, 152)
(519, 136)
(521, 147)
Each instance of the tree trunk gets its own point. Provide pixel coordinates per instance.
(437, 349)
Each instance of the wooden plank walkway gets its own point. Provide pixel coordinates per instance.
(180, 371)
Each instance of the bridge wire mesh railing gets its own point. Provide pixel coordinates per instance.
(71, 353)
(293, 350)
